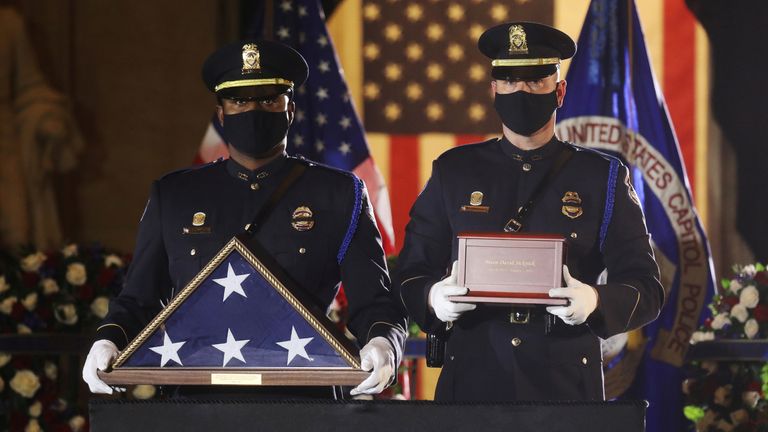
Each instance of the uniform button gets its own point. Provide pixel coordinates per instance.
(247, 226)
(574, 235)
(302, 250)
(516, 342)
(192, 252)
(584, 360)
(527, 167)
(451, 358)
(254, 186)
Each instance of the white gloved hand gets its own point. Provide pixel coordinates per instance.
(102, 353)
(582, 297)
(377, 355)
(445, 309)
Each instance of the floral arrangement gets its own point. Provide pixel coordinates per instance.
(741, 310)
(729, 396)
(65, 291)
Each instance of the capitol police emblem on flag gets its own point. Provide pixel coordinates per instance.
(240, 321)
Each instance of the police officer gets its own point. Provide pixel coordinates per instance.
(514, 353)
(321, 231)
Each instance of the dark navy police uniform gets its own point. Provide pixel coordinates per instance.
(342, 245)
(489, 357)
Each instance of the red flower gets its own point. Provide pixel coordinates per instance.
(762, 277)
(30, 280)
(761, 313)
(106, 276)
(731, 300)
(85, 292)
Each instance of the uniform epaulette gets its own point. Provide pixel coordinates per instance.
(313, 164)
(607, 156)
(190, 168)
(466, 147)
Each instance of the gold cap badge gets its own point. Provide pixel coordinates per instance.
(251, 58)
(198, 219)
(476, 198)
(572, 205)
(517, 40)
(302, 219)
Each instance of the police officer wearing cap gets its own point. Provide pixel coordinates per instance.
(321, 231)
(503, 353)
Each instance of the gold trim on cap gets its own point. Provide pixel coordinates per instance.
(526, 62)
(253, 82)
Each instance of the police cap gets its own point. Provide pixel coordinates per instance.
(239, 69)
(525, 50)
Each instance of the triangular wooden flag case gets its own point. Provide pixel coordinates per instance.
(240, 321)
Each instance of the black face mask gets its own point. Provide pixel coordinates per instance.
(525, 113)
(255, 133)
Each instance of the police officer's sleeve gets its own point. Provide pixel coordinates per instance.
(426, 254)
(374, 309)
(139, 299)
(633, 295)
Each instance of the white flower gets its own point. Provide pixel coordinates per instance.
(750, 398)
(751, 328)
(4, 285)
(29, 301)
(100, 306)
(735, 286)
(66, 314)
(740, 312)
(749, 296)
(49, 286)
(51, 370)
(4, 358)
(6, 306)
(23, 329)
(35, 409)
(32, 262)
(700, 336)
(749, 271)
(144, 391)
(32, 426)
(720, 320)
(77, 423)
(112, 260)
(25, 383)
(76, 274)
(69, 250)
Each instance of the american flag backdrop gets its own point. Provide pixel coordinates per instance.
(212, 324)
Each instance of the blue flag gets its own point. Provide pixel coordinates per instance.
(615, 105)
(238, 313)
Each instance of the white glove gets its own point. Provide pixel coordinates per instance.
(102, 353)
(447, 310)
(583, 299)
(378, 355)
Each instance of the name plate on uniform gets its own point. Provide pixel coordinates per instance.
(510, 268)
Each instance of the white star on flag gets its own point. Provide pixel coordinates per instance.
(231, 348)
(298, 141)
(169, 350)
(299, 115)
(345, 122)
(322, 93)
(283, 33)
(345, 148)
(322, 41)
(232, 283)
(321, 119)
(319, 146)
(296, 346)
(286, 6)
(302, 11)
(324, 66)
